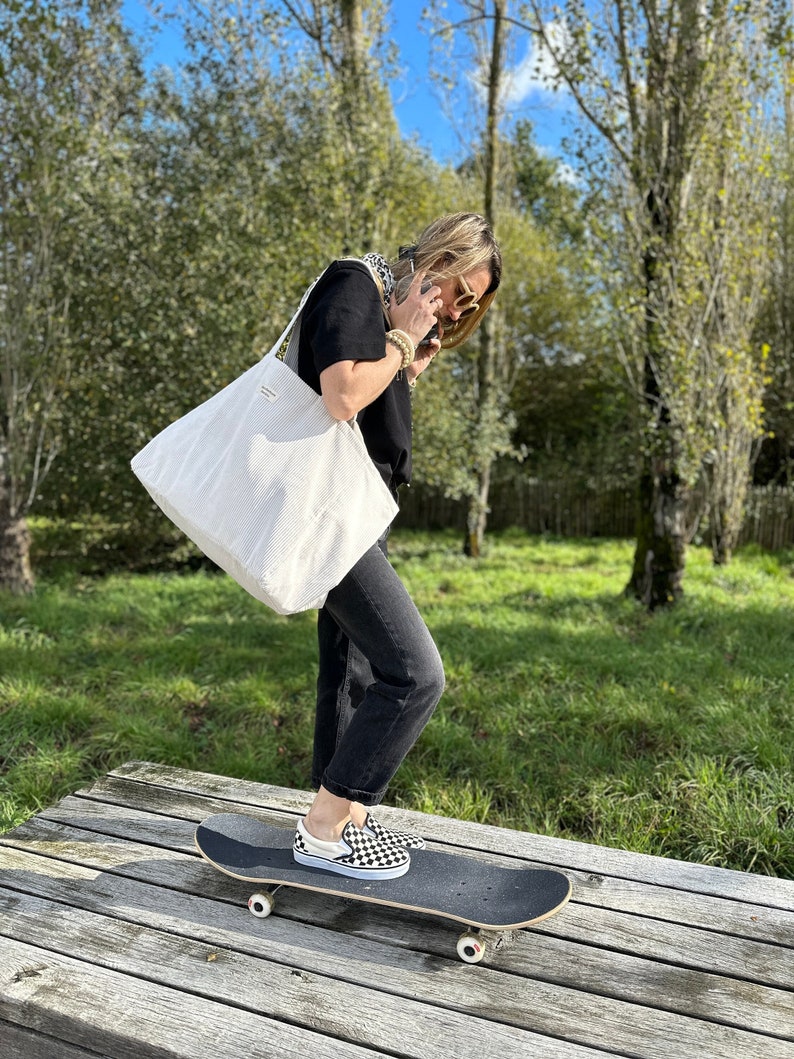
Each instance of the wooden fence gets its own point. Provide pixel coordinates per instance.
(566, 510)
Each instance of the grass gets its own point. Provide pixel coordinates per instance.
(569, 710)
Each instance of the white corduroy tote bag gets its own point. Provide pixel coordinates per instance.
(270, 486)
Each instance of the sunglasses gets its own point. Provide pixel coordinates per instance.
(466, 302)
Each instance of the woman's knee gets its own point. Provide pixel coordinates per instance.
(430, 675)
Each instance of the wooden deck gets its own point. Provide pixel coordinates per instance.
(116, 940)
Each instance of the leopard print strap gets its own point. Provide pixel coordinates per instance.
(380, 266)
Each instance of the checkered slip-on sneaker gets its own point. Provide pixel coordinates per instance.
(358, 855)
(403, 839)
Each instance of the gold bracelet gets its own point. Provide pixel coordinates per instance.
(403, 343)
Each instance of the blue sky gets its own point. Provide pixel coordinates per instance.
(417, 102)
(419, 109)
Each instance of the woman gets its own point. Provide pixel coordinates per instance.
(363, 346)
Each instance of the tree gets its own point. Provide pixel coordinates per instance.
(348, 126)
(180, 272)
(489, 439)
(484, 26)
(666, 92)
(67, 78)
(538, 326)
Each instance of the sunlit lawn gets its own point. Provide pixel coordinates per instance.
(569, 710)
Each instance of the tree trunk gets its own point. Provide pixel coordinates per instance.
(354, 47)
(660, 555)
(16, 574)
(486, 367)
(477, 517)
(659, 558)
(721, 551)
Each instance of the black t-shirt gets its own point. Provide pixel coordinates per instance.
(343, 319)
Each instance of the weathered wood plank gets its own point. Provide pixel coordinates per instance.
(110, 790)
(19, 1043)
(739, 918)
(689, 947)
(656, 958)
(736, 918)
(345, 1011)
(114, 1014)
(553, 852)
(125, 857)
(721, 999)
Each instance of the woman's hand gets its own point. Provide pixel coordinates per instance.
(416, 314)
(424, 354)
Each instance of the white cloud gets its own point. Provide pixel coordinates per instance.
(536, 72)
(568, 175)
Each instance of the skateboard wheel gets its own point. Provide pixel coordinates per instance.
(471, 948)
(261, 905)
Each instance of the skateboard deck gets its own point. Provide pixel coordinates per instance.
(482, 895)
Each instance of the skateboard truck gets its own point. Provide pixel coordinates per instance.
(471, 945)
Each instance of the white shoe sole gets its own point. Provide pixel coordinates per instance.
(326, 864)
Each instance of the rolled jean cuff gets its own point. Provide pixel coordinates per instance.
(340, 791)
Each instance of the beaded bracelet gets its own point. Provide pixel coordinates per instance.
(403, 343)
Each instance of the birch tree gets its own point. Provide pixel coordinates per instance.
(669, 95)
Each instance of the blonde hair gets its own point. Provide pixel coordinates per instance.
(451, 246)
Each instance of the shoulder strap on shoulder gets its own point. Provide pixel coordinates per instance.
(378, 280)
(291, 354)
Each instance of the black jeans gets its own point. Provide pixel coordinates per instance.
(380, 679)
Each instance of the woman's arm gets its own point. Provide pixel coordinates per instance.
(350, 385)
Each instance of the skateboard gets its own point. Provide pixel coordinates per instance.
(482, 895)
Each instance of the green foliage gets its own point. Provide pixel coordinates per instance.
(68, 90)
(226, 186)
(568, 710)
(190, 208)
(775, 325)
(241, 179)
(553, 202)
(173, 298)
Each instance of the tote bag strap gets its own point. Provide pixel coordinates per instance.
(291, 355)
